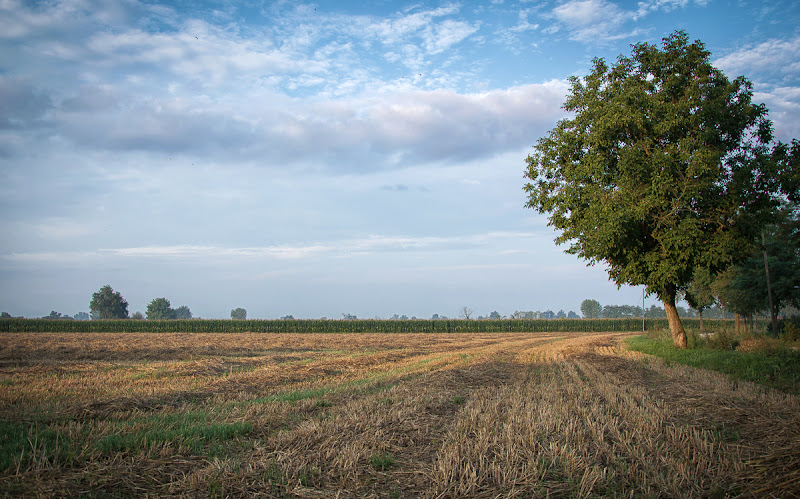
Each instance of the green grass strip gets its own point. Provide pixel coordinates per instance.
(777, 368)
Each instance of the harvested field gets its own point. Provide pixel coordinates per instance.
(381, 415)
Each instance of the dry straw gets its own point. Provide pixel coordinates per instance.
(420, 415)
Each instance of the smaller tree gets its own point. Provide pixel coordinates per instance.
(465, 313)
(108, 304)
(494, 315)
(81, 316)
(183, 312)
(160, 309)
(699, 295)
(239, 314)
(591, 309)
(5, 315)
(137, 316)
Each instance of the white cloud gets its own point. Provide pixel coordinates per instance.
(441, 37)
(784, 109)
(774, 56)
(592, 20)
(524, 23)
(194, 254)
(384, 129)
(604, 20)
(649, 6)
(774, 68)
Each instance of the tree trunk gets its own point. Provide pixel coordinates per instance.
(675, 326)
(701, 320)
(736, 317)
(772, 311)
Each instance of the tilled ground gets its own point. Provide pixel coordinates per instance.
(463, 415)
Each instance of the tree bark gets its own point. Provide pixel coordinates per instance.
(675, 325)
(701, 319)
(736, 317)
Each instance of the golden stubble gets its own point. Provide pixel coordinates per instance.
(463, 415)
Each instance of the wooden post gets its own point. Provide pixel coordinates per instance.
(643, 310)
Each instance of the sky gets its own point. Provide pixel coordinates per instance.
(318, 159)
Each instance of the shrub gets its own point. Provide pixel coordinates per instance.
(723, 339)
(791, 332)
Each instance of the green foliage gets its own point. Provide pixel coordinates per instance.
(791, 332)
(700, 294)
(619, 311)
(160, 309)
(591, 309)
(723, 339)
(183, 312)
(19, 443)
(744, 287)
(239, 314)
(191, 429)
(381, 461)
(108, 304)
(664, 168)
(776, 368)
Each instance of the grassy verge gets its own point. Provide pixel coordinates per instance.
(776, 367)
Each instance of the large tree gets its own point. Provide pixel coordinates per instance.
(665, 167)
(108, 304)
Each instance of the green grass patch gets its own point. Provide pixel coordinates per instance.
(381, 461)
(19, 443)
(191, 429)
(777, 368)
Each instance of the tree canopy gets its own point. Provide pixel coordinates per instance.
(699, 294)
(183, 312)
(744, 287)
(159, 309)
(591, 309)
(108, 304)
(239, 313)
(666, 166)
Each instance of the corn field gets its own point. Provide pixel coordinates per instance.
(345, 326)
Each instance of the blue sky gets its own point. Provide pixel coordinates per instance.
(316, 159)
